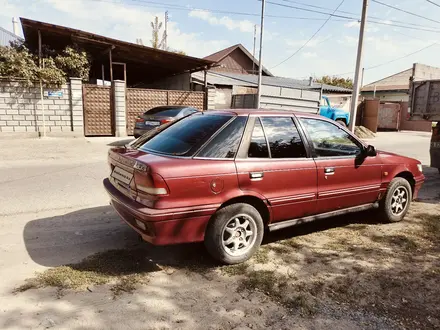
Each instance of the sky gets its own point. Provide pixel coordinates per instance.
(200, 28)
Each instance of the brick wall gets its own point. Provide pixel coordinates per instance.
(21, 111)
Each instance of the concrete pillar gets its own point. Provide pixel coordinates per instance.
(120, 112)
(76, 105)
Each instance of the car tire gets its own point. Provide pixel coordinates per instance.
(234, 233)
(397, 200)
(341, 122)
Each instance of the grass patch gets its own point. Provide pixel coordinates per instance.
(302, 302)
(262, 256)
(266, 281)
(280, 249)
(291, 243)
(400, 241)
(275, 286)
(431, 226)
(127, 284)
(234, 270)
(124, 268)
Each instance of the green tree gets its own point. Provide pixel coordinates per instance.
(336, 81)
(17, 62)
(74, 63)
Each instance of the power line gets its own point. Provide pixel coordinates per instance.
(404, 11)
(401, 58)
(153, 4)
(310, 39)
(313, 11)
(351, 13)
(391, 61)
(432, 2)
(389, 23)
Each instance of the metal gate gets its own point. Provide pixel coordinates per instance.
(98, 114)
(140, 100)
(389, 116)
(370, 115)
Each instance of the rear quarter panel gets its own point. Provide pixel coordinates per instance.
(193, 182)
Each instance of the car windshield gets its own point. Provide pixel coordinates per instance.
(163, 112)
(185, 137)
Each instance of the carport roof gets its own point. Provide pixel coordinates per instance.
(158, 63)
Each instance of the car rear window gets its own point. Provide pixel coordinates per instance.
(185, 137)
(163, 111)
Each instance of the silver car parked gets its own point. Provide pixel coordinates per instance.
(158, 116)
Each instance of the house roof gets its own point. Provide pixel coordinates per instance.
(235, 79)
(142, 62)
(221, 54)
(395, 82)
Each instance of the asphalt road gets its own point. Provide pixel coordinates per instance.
(53, 209)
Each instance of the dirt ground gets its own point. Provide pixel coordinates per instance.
(348, 272)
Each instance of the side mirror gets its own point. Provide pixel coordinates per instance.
(370, 151)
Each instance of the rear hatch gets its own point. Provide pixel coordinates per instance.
(136, 179)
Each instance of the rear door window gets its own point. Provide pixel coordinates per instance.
(226, 143)
(258, 147)
(283, 136)
(186, 136)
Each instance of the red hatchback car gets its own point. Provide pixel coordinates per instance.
(224, 177)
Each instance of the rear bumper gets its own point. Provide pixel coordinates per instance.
(162, 226)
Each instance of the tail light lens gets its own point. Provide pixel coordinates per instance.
(139, 120)
(152, 184)
(164, 121)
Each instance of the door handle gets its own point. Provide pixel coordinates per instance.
(256, 175)
(329, 170)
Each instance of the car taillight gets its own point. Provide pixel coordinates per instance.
(152, 184)
(139, 120)
(164, 121)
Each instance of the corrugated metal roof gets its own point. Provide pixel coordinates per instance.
(397, 81)
(142, 62)
(6, 37)
(234, 79)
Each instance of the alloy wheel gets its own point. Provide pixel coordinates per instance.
(399, 200)
(239, 235)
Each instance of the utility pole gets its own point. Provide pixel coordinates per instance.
(356, 83)
(260, 62)
(15, 26)
(165, 47)
(253, 53)
(41, 65)
(362, 79)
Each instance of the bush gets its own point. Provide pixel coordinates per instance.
(16, 63)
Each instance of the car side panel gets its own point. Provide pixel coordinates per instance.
(352, 183)
(289, 186)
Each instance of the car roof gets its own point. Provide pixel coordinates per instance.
(263, 112)
(172, 107)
